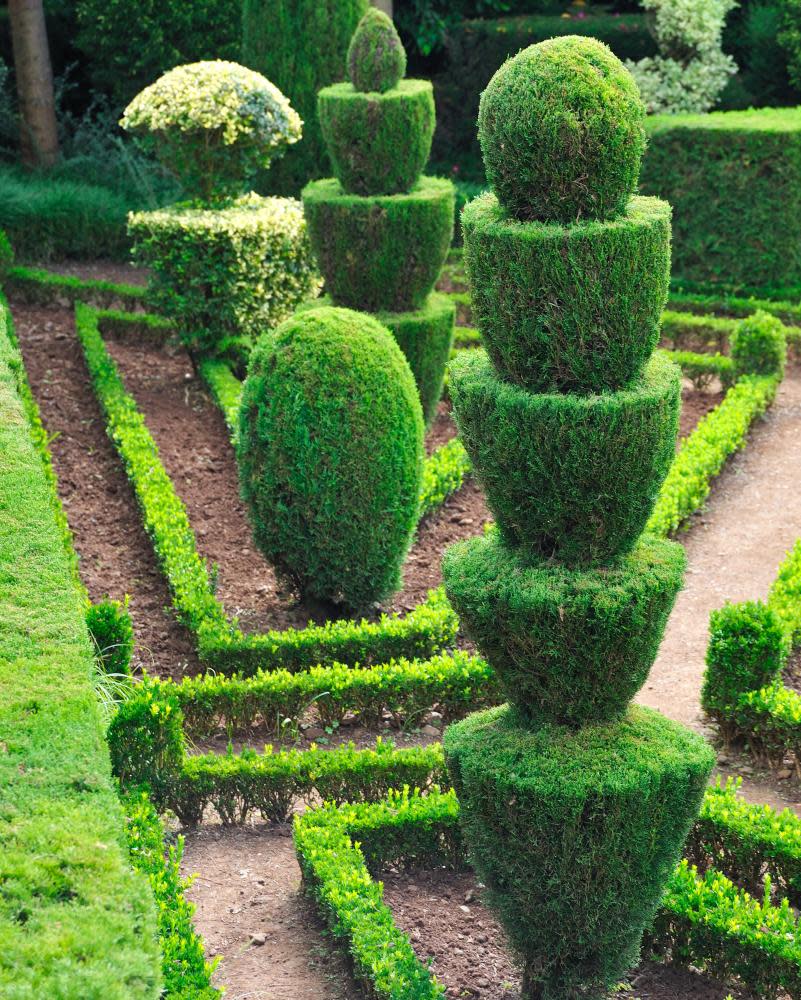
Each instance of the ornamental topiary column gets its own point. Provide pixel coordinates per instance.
(575, 804)
(380, 230)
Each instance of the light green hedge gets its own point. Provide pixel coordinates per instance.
(78, 922)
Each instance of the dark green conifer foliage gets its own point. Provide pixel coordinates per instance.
(376, 56)
(575, 805)
(380, 230)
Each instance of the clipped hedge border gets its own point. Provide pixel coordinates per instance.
(38, 286)
(78, 921)
(702, 455)
(187, 974)
(423, 632)
(705, 919)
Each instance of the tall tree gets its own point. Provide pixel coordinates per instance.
(38, 131)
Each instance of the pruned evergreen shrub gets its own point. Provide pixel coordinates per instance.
(759, 346)
(570, 478)
(378, 143)
(569, 645)
(331, 455)
(574, 833)
(381, 253)
(111, 629)
(582, 335)
(562, 132)
(376, 56)
(746, 652)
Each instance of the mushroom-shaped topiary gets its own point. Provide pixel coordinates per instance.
(376, 56)
(562, 132)
(213, 125)
(331, 455)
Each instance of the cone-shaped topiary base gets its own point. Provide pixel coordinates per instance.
(574, 308)
(378, 143)
(573, 478)
(569, 645)
(383, 252)
(574, 833)
(425, 336)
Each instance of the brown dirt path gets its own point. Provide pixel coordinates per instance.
(734, 549)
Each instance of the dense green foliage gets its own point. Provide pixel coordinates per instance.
(225, 274)
(790, 38)
(73, 918)
(167, 34)
(6, 256)
(620, 798)
(758, 346)
(571, 478)
(444, 472)
(111, 629)
(477, 48)
(734, 181)
(425, 336)
(328, 396)
(378, 143)
(561, 128)
(376, 56)
(187, 974)
(49, 219)
(569, 645)
(213, 124)
(278, 700)
(301, 46)
(703, 454)
(384, 252)
(583, 335)
(431, 627)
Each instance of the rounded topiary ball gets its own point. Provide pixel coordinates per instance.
(376, 56)
(331, 455)
(759, 345)
(562, 131)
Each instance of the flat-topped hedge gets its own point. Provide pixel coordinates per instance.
(75, 921)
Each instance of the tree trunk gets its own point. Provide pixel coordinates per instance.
(385, 5)
(38, 131)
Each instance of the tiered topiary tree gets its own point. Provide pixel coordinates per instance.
(226, 264)
(380, 230)
(575, 804)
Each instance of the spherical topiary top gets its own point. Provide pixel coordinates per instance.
(376, 56)
(213, 124)
(331, 454)
(562, 133)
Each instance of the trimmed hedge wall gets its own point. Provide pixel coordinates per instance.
(734, 180)
(74, 920)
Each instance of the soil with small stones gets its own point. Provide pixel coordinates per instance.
(447, 923)
(116, 556)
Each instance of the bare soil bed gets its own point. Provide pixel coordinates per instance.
(447, 923)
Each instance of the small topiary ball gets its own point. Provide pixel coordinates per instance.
(331, 455)
(376, 56)
(562, 132)
(759, 345)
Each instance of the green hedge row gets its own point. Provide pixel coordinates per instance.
(187, 974)
(703, 454)
(74, 919)
(705, 920)
(41, 287)
(429, 628)
(278, 699)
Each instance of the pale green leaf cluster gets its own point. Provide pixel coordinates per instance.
(691, 69)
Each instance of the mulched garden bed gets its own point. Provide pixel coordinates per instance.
(447, 923)
(117, 556)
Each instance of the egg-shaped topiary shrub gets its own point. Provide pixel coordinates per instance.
(759, 345)
(562, 132)
(425, 336)
(376, 56)
(331, 454)
(381, 230)
(574, 804)
(227, 263)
